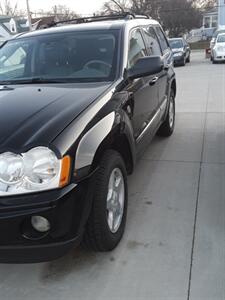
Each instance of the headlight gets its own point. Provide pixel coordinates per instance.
(11, 168)
(178, 54)
(41, 166)
(36, 170)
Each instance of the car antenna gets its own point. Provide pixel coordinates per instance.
(114, 1)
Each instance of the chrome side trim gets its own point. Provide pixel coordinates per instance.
(149, 125)
(91, 140)
(163, 105)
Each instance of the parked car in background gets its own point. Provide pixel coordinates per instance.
(79, 104)
(215, 34)
(218, 51)
(181, 51)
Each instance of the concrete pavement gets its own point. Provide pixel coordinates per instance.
(174, 245)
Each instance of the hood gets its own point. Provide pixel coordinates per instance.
(175, 50)
(220, 47)
(32, 115)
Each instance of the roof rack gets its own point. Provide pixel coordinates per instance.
(123, 16)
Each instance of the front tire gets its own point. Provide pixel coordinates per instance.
(189, 59)
(167, 127)
(107, 220)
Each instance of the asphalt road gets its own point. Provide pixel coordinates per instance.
(174, 246)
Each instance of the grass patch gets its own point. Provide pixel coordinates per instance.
(200, 45)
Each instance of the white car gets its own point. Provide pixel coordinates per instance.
(218, 51)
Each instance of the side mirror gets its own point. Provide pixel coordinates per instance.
(146, 66)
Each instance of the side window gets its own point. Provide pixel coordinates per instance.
(136, 48)
(162, 39)
(152, 41)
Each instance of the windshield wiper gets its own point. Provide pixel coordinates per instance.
(32, 81)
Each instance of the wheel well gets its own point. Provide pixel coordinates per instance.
(119, 144)
(174, 87)
(122, 146)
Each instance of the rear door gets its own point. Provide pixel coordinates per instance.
(167, 57)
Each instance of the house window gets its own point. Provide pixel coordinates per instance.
(214, 21)
(207, 21)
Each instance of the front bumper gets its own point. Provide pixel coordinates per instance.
(67, 211)
(178, 60)
(219, 58)
(218, 55)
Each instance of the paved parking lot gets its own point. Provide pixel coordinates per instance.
(174, 246)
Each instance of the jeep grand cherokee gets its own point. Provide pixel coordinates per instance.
(78, 104)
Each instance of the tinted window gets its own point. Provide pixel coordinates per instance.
(70, 57)
(152, 41)
(221, 38)
(136, 48)
(162, 39)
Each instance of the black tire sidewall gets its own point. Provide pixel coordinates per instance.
(174, 110)
(110, 161)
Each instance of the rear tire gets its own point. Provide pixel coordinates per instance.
(107, 220)
(167, 127)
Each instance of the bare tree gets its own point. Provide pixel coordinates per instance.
(176, 16)
(111, 7)
(63, 12)
(147, 7)
(6, 8)
(179, 17)
(206, 3)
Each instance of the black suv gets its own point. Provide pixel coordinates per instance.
(78, 104)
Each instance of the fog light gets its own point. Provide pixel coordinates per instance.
(40, 224)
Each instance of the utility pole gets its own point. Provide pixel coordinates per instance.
(29, 15)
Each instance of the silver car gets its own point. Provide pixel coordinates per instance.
(218, 51)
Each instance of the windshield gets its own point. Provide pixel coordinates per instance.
(68, 57)
(215, 34)
(221, 39)
(175, 44)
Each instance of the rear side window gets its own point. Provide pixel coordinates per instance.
(152, 41)
(162, 39)
(136, 48)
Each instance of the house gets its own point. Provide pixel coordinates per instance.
(210, 18)
(43, 22)
(10, 26)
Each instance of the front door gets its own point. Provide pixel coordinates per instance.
(144, 90)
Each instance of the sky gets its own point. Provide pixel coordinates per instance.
(80, 6)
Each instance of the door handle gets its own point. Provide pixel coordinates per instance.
(154, 80)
